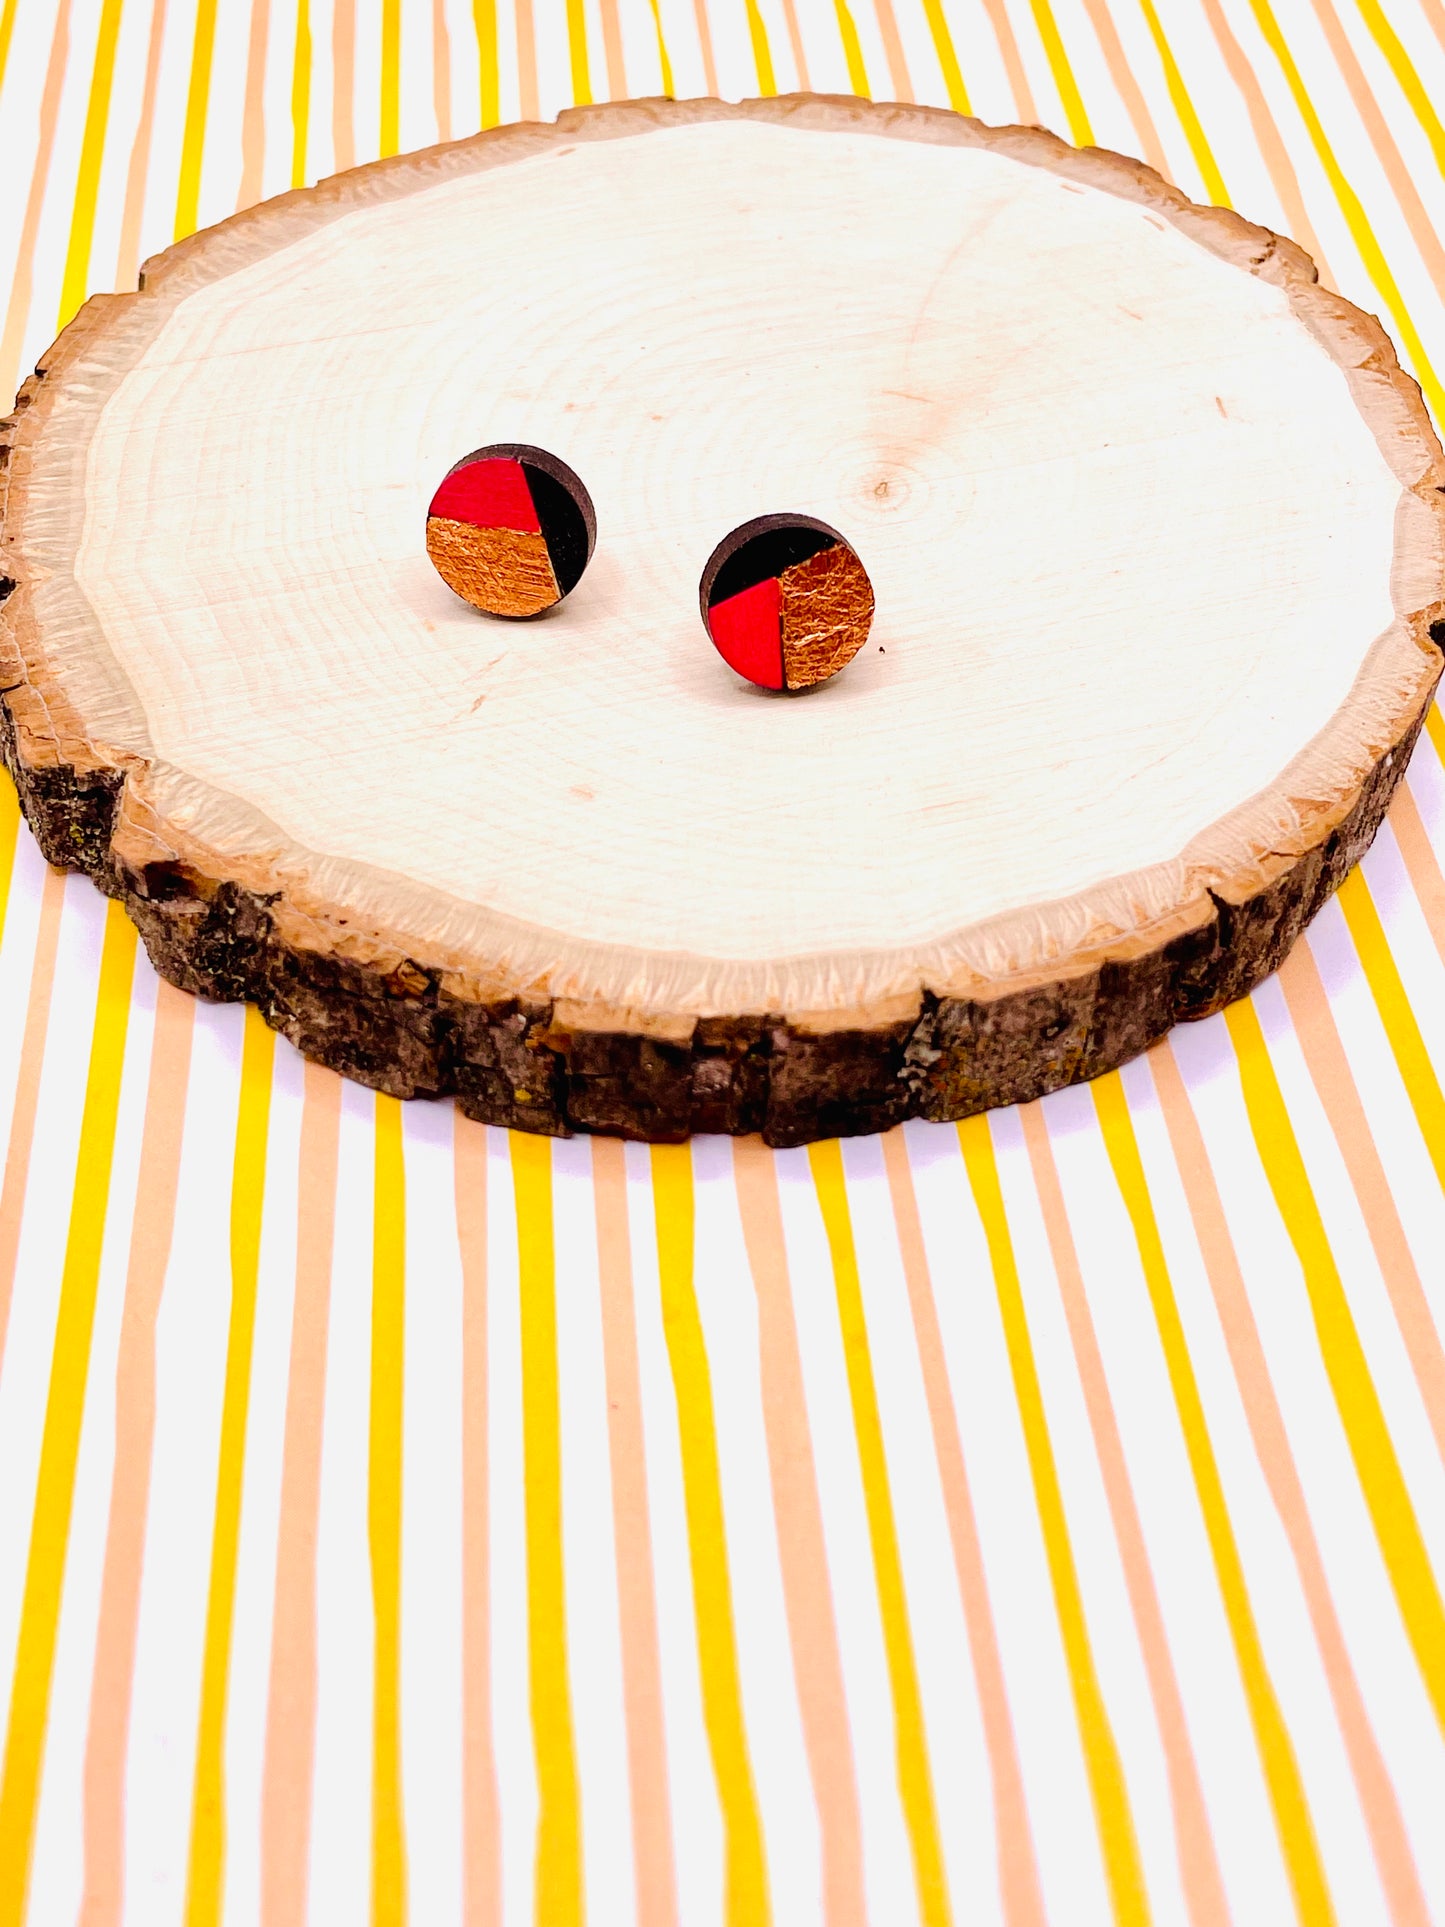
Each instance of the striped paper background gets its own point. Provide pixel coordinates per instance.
(1037, 1520)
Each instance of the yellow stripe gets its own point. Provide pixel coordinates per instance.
(746, 1900)
(390, 77)
(1101, 1752)
(947, 58)
(9, 838)
(1408, 81)
(762, 56)
(1435, 729)
(577, 45)
(92, 152)
(383, 1512)
(1276, 1752)
(852, 50)
(1058, 59)
(1184, 110)
(193, 139)
(1386, 1493)
(1392, 1001)
(484, 19)
(301, 94)
(248, 1191)
(7, 28)
(558, 1901)
(64, 1409)
(667, 87)
(1350, 206)
(915, 1782)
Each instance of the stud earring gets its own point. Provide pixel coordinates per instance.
(785, 601)
(511, 529)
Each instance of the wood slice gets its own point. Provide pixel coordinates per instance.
(1153, 521)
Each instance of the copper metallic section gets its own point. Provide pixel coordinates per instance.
(827, 611)
(503, 571)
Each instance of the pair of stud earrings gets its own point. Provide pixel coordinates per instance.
(784, 599)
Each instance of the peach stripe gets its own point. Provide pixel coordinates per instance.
(641, 1674)
(1397, 172)
(253, 113)
(108, 1732)
(1329, 1068)
(481, 1867)
(27, 1087)
(807, 1588)
(1018, 1874)
(1435, 14)
(898, 73)
(612, 48)
(704, 41)
(343, 83)
(441, 73)
(527, 99)
(127, 256)
(1198, 1863)
(1130, 92)
(1013, 66)
(1271, 1443)
(291, 1699)
(1267, 138)
(22, 278)
(795, 42)
(1422, 866)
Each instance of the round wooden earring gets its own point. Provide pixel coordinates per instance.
(786, 601)
(511, 529)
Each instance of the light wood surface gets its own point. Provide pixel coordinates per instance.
(1153, 524)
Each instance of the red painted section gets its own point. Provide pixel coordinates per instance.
(489, 495)
(747, 632)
